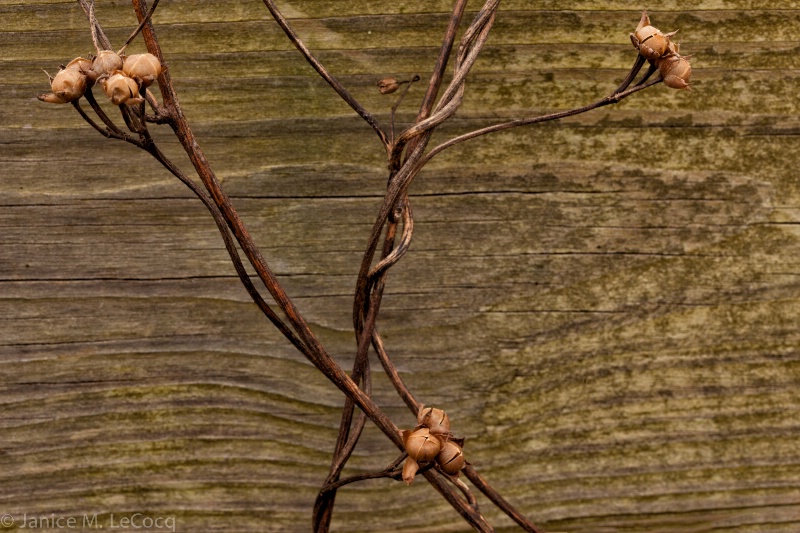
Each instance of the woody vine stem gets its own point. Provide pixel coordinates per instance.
(430, 449)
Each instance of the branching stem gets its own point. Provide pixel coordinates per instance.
(406, 156)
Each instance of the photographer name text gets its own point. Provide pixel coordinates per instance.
(132, 521)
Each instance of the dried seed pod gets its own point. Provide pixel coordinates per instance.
(80, 64)
(121, 89)
(410, 468)
(388, 85)
(67, 86)
(435, 419)
(656, 46)
(675, 70)
(143, 67)
(105, 64)
(421, 445)
(649, 40)
(451, 458)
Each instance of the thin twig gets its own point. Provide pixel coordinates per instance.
(637, 66)
(144, 21)
(230, 246)
(327, 76)
(498, 500)
(347, 439)
(471, 499)
(611, 99)
(107, 132)
(394, 473)
(652, 69)
(394, 375)
(115, 130)
(397, 103)
(439, 68)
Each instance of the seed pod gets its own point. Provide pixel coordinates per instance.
(435, 419)
(121, 89)
(143, 67)
(388, 85)
(80, 64)
(451, 458)
(105, 64)
(649, 40)
(421, 445)
(410, 468)
(656, 46)
(675, 70)
(67, 86)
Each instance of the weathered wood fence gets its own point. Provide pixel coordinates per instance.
(612, 324)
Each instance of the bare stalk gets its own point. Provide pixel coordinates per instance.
(608, 100)
(327, 76)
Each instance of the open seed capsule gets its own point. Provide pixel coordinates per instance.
(421, 445)
(435, 419)
(451, 458)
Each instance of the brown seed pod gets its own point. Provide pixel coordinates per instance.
(104, 65)
(421, 445)
(388, 85)
(410, 468)
(675, 70)
(649, 40)
(435, 419)
(451, 458)
(80, 64)
(143, 67)
(68, 85)
(121, 89)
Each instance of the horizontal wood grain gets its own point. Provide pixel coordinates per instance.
(606, 306)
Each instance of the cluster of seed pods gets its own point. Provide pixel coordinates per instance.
(659, 49)
(123, 78)
(431, 440)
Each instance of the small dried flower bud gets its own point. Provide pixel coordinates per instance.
(67, 86)
(676, 71)
(105, 64)
(121, 89)
(143, 67)
(451, 458)
(421, 445)
(388, 85)
(410, 468)
(435, 419)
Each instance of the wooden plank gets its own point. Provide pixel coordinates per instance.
(606, 306)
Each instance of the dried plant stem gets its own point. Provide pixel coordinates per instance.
(406, 156)
(439, 68)
(313, 350)
(611, 99)
(144, 21)
(498, 500)
(327, 76)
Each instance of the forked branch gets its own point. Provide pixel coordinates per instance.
(430, 449)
